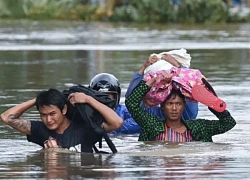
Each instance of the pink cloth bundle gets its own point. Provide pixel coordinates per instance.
(182, 78)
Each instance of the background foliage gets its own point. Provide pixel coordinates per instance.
(141, 11)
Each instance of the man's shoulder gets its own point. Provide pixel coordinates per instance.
(39, 132)
(37, 124)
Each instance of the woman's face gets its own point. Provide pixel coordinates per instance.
(173, 108)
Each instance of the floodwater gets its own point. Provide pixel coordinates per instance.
(38, 55)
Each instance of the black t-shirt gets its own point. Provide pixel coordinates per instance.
(74, 138)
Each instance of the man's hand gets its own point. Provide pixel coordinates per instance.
(51, 143)
(171, 60)
(75, 98)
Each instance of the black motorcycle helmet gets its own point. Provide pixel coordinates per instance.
(107, 83)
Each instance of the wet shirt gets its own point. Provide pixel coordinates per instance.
(151, 126)
(74, 138)
(129, 126)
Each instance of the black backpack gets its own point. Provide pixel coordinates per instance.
(86, 116)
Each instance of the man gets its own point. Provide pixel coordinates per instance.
(109, 84)
(178, 58)
(173, 128)
(56, 130)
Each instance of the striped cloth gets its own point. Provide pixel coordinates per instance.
(174, 136)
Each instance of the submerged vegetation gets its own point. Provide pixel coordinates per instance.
(145, 11)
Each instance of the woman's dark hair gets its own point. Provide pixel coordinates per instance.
(173, 95)
(51, 97)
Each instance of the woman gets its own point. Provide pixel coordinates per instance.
(178, 58)
(173, 128)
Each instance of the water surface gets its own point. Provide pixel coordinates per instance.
(38, 55)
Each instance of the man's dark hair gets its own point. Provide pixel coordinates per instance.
(51, 97)
(173, 95)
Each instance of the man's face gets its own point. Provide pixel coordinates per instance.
(52, 116)
(112, 96)
(173, 108)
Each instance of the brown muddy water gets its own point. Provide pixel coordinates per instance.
(38, 55)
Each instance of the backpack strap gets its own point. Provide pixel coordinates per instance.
(110, 143)
(96, 126)
(99, 152)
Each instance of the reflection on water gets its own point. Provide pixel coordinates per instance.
(24, 73)
(53, 164)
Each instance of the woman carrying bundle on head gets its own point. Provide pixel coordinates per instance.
(174, 84)
(191, 82)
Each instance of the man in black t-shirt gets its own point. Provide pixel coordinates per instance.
(55, 129)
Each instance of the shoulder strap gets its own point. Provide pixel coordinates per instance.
(96, 125)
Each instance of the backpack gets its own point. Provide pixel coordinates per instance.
(86, 116)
